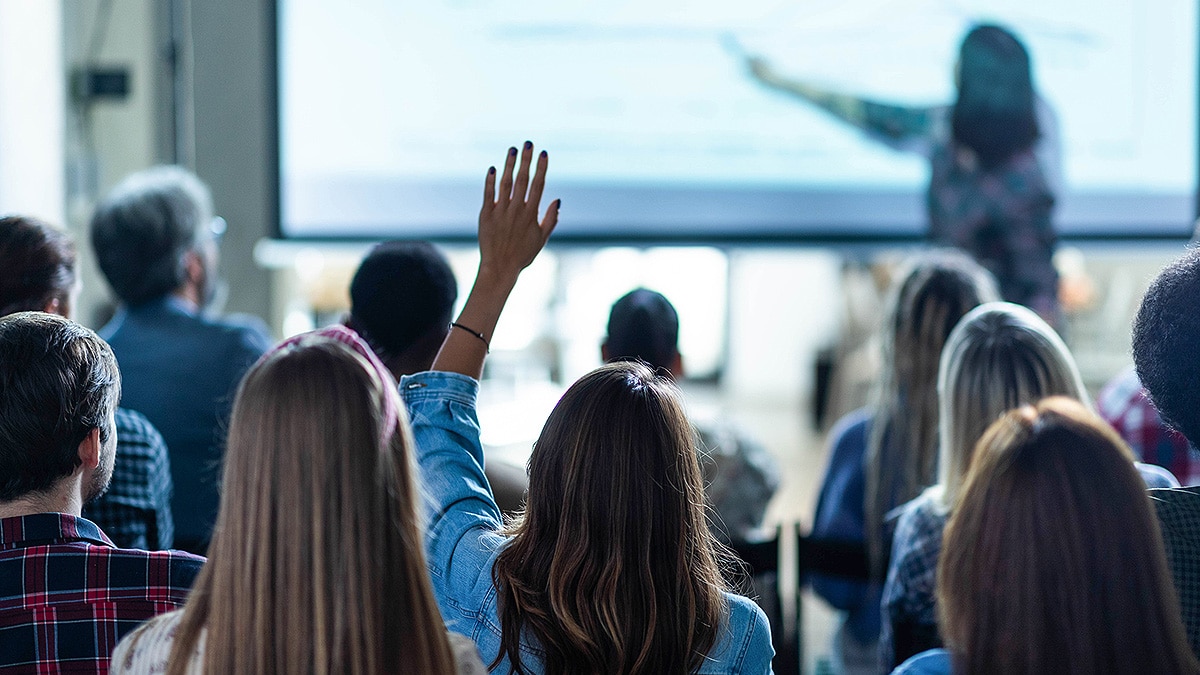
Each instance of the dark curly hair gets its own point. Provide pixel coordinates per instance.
(1166, 333)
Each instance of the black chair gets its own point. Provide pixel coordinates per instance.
(761, 566)
(842, 558)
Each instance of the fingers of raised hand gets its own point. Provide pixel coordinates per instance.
(506, 179)
(489, 190)
(550, 219)
(539, 182)
(522, 184)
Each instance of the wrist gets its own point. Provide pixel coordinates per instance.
(493, 278)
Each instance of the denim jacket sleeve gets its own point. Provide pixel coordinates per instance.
(461, 539)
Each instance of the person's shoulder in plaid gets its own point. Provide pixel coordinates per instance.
(67, 594)
(1124, 405)
(909, 623)
(135, 512)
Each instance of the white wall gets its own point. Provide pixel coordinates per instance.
(31, 109)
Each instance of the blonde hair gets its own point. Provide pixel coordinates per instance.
(316, 563)
(1052, 561)
(999, 357)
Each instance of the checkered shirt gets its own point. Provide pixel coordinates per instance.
(1123, 404)
(909, 612)
(67, 595)
(1179, 515)
(135, 512)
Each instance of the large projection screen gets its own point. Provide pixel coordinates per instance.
(390, 113)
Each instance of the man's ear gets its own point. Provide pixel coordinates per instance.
(52, 306)
(604, 351)
(89, 449)
(193, 267)
(677, 366)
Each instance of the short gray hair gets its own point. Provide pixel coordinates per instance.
(146, 225)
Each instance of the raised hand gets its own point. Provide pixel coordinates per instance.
(510, 237)
(510, 233)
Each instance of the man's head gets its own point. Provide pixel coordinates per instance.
(401, 300)
(154, 236)
(644, 326)
(59, 387)
(1166, 336)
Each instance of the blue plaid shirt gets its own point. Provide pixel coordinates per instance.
(135, 512)
(909, 612)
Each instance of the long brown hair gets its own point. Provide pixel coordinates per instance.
(1052, 561)
(611, 567)
(933, 293)
(316, 563)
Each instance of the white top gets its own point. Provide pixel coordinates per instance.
(147, 650)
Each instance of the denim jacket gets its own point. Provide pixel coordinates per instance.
(462, 540)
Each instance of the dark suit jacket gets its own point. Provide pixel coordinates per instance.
(180, 370)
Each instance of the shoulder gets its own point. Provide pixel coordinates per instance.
(931, 662)
(247, 333)
(918, 535)
(849, 434)
(747, 638)
(167, 576)
(133, 429)
(1156, 476)
(148, 648)
(1178, 511)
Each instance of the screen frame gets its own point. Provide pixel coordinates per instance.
(750, 235)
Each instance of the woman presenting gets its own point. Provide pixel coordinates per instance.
(993, 154)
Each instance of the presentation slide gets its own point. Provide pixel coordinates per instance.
(391, 112)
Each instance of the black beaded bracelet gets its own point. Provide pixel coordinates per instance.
(487, 347)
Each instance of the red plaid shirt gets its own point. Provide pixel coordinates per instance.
(1123, 404)
(67, 595)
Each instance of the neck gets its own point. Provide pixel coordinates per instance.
(66, 496)
(189, 294)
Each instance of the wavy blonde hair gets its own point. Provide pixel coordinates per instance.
(316, 563)
(999, 357)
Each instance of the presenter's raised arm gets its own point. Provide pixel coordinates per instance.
(510, 237)
(849, 109)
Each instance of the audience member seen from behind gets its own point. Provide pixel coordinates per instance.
(67, 593)
(884, 455)
(740, 476)
(316, 562)
(1052, 561)
(1124, 404)
(994, 157)
(401, 302)
(155, 237)
(611, 568)
(1166, 333)
(38, 273)
(1000, 356)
